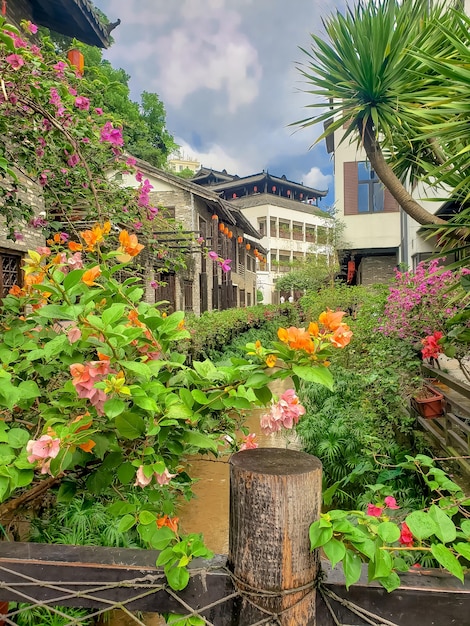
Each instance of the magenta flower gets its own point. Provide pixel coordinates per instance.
(59, 68)
(72, 91)
(391, 503)
(225, 265)
(30, 27)
(82, 103)
(99, 111)
(111, 135)
(374, 511)
(19, 236)
(73, 160)
(154, 284)
(213, 255)
(15, 60)
(131, 161)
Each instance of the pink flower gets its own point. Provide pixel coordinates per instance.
(74, 335)
(99, 111)
(406, 536)
(213, 255)
(111, 135)
(139, 177)
(141, 480)
(374, 511)
(19, 236)
(73, 160)
(82, 103)
(15, 60)
(59, 68)
(164, 478)
(75, 261)
(43, 251)
(225, 265)
(72, 91)
(248, 442)
(391, 503)
(283, 414)
(45, 447)
(30, 27)
(131, 161)
(154, 284)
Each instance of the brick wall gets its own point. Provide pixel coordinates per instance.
(376, 269)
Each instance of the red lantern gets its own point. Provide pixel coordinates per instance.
(221, 227)
(255, 189)
(215, 217)
(273, 189)
(76, 59)
(240, 239)
(248, 247)
(288, 193)
(226, 231)
(230, 234)
(234, 195)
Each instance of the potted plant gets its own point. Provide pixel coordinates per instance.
(428, 402)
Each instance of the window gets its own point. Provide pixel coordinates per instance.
(284, 230)
(273, 227)
(370, 194)
(262, 227)
(188, 295)
(10, 272)
(364, 192)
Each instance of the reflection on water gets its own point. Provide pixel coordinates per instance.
(208, 511)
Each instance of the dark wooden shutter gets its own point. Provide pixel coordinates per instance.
(350, 188)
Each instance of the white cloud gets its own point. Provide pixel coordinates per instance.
(316, 179)
(216, 157)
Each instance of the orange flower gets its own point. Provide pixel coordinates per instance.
(87, 446)
(102, 357)
(297, 339)
(74, 246)
(313, 329)
(282, 334)
(130, 247)
(271, 360)
(56, 238)
(95, 235)
(331, 319)
(133, 318)
(16, 291)
(171, 522)
(258, 344)
(181, 325)
(342, 336)
(90, 275)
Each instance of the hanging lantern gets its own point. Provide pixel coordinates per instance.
(221, 227)
(76, 59)
(273, 189)
(255, 189)
(288, 193)
(256, 251)
(230, 234)
(234, 195)
(248, 247)
(215, 216)
(240, 239)
(301, 196)
(226, 231)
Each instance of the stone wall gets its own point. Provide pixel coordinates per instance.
(376, 269)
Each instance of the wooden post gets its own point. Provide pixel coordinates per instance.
(275, 494)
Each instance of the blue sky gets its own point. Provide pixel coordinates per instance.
(226, 72)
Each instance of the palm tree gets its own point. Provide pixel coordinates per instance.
(396, 78)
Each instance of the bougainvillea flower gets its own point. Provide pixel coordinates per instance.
(141, 480)
(431, 346)
(91, 275)
(213, 255)
(74, 246)
(406, 537)
(95, 235)
(15, 60)
(82, 103)
(374, 511)
(297, 339)
(271, 360)
(74, 335)
(225, 265)
(164, 478)
(129, 244)
(391, 503)
(331, 319)
(87, 446)
(170, 522)
(43, 448)
(341, 336)
(248, 442)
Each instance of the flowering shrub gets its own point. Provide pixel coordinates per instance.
(420, 302)
(95, 393)
(389, 541)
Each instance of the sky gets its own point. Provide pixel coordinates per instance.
(226, 71)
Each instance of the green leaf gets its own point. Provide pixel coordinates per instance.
(67, 491)
(114, 407)
(257, 380)
(161, 538)
(382, 565)
(141, 369)
(18, 437)
(263, 394)
(145, 403)
(166, 556)
(126, 473)
(113, 314)
(421, 525)
(72, 279)
(177, 577)
(390, 582)
(186, 397)
(126, 523)
(448, 561)
(146, 517)
(388, 532)
(352, 567)
(199, 396)
(319, 535)
(446, 530)
(200, 441)
(130, 425)
(335, 551)
(315, 374)
(463, 549)
(465, 526)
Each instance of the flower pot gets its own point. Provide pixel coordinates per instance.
(430, 405)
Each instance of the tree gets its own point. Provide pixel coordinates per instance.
(396, 78)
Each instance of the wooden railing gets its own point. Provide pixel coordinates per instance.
(451, 431)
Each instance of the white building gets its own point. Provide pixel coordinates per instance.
(285, 213)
